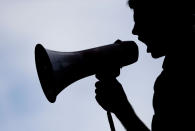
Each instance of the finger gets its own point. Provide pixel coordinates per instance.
(118, 41)
(105, 102)
(108, 85)
(103, 91)
(98, 84)
(102, 102)
(98, 91)
(108, 74)
(104, 84)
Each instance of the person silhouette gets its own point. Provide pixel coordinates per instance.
(166, 28)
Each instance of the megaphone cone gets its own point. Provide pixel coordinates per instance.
(57, 70)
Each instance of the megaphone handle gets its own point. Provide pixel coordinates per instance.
(110, 121)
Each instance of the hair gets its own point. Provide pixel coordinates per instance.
(162, 4)
(180, 11)
(169, 8)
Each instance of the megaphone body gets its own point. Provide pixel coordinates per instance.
(57, 70)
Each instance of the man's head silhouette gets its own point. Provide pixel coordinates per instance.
(165, 26)
(159, 24)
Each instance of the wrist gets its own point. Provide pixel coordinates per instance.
(124, 109)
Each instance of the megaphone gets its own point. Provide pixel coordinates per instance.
(57, 70)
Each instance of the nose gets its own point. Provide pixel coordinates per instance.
(135, 31)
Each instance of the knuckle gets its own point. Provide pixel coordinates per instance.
(97, 84)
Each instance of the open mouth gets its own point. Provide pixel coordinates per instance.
(148, 50)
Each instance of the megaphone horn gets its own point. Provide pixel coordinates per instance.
(57, 70)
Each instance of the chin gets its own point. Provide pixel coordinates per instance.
(157, 55)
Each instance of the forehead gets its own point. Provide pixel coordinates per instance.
(139, 3)
(147, 5)
(131, 3)
(149, 9)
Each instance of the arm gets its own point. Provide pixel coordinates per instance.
(111, 97)
(130, 120)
